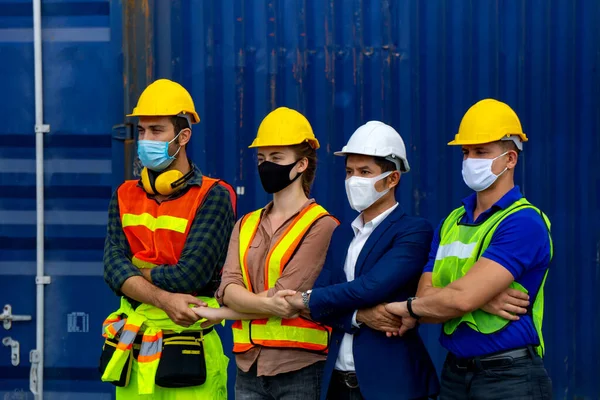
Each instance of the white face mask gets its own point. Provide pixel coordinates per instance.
(477, 172)
(361, 192)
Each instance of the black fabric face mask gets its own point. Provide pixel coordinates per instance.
(275, 177)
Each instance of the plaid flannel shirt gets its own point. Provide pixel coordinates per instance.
(198, 270)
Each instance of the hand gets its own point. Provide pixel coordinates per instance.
(400, 309)
(379, 318)
(408, 323)
(279, 306)
(507, 304)
(212, 315)
(177, 307)
(296, 301)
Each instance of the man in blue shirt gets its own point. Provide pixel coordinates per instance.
(488, 258)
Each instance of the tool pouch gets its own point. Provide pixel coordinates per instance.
(109, 348)
(182, 363)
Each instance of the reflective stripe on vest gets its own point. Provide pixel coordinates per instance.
(276, 332)
(461, 245)
(148, 359)
(162, 222)
(127, 330)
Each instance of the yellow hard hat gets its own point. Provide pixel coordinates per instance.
(488, 121)
(165, 98)
(284, 127)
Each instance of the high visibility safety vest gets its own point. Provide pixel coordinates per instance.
(156, 234)
(148, 225)
(461, 245)
(274, 332)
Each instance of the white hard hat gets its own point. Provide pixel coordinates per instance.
(378, 140)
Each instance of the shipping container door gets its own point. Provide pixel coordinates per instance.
(83, 92)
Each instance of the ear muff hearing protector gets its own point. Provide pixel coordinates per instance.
(164, 183)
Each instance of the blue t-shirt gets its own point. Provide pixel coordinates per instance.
(520, 244)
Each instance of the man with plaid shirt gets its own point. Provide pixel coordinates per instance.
(166, 244)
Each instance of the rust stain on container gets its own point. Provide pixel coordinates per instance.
(273, 80)
(241, 86)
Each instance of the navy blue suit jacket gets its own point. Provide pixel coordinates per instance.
(388, 269)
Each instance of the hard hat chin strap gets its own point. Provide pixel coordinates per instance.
(188, 117)
(397, 162)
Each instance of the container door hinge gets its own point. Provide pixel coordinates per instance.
(42, 128)
(34, 359)
(15, 357)
(42, 280)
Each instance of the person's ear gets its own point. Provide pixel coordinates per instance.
(393, 179)
(512, 158)
(302, 165)
(184, 136)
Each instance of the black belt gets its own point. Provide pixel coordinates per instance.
(194, 334)
(503, 359)
(347, 378)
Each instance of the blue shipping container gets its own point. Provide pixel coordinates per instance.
(417, 65)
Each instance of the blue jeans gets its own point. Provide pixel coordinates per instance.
(525, 379)
(304, 384)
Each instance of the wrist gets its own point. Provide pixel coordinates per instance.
(359, 315)
(306, 299)
(266, 305)
(410, 303)
(161, 298)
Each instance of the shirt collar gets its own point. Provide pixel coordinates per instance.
(358, 224)
(195, 180)
(470, 202)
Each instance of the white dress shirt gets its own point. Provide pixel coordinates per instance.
(362, 231)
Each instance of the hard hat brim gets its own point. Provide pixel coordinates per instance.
(403, 161)
(194, 120)
(314, 143)
(459, 142)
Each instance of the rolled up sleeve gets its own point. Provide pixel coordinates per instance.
(232, 273)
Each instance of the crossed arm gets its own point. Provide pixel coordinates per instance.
(170, 287)
(337, 304)
(299, 274)
(519, 242)
(485, 286)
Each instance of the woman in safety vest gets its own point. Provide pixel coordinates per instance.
(274, 252)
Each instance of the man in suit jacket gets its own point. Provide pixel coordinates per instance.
(387, 250)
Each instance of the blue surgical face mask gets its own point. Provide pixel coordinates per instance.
(154, 154)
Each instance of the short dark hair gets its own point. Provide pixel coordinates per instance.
(179, 124)
(385, 165)
(509, 145)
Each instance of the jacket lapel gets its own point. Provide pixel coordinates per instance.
(375, 237)
(343, 237)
